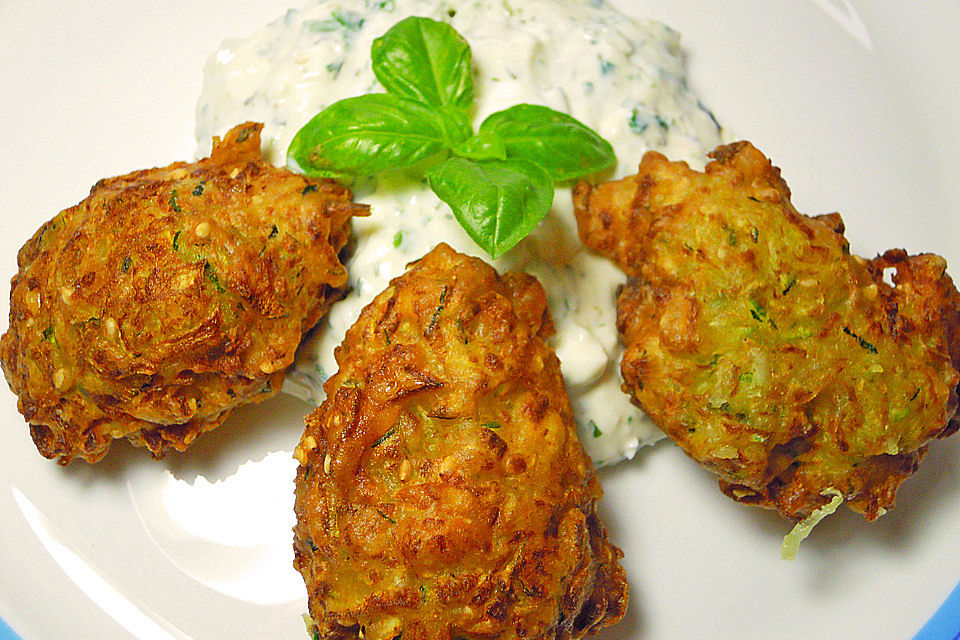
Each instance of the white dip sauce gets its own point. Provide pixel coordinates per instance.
(620, 76)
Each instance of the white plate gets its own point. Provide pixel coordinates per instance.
(857, 105)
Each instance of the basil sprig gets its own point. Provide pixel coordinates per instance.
(498, 181)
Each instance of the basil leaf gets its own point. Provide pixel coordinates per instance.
(482, 147)
(497, 202)
(373, 133)
(425, 60)
(565, 147)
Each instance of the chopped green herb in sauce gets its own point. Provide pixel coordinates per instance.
(637, 123)
(596, 430)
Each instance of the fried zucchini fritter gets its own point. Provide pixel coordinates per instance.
(168, 297)
(754, 339)
(442, 491)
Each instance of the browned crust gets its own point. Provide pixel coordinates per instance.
(170, 296)
(858, 376)
(442, 491)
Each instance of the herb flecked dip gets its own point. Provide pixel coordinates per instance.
(621, 76)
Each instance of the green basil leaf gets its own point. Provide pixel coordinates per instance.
(565, 147)
(425, 60)
(458, 126)
(497, 202)
(373, 133)
(482, 147)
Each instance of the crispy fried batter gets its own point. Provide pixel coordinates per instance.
(168, 297)
(762, 347)
(442, 491)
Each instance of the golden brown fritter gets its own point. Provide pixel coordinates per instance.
(762, 347)
(442, 491)
(170, 296)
